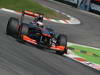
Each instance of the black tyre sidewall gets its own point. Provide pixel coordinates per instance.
(23, 30)
(12, 26)
(62, 40)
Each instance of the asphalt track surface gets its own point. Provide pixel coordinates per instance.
(22, 59)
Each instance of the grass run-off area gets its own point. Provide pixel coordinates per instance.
(30, 5)
(90, 54)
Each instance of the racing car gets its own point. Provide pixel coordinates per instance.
(31, 33)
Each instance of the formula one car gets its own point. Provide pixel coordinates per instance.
(35, 35)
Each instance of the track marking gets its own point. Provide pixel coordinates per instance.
(72, 20)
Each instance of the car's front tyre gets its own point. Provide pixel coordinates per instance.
(62, 41)
(12, 26)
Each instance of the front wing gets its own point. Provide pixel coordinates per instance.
(34, 42)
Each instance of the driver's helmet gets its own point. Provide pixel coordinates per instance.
(40, 24)
(40, 18)
(40, 15)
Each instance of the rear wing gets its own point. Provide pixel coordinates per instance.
(29, 14)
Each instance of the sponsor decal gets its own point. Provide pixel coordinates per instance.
(95, 7)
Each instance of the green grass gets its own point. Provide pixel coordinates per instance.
(88, 57)
(30, 5)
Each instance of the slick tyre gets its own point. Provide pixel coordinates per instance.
(23, 31)
(12, 26)
(62, 40)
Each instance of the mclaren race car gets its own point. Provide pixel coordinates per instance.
(37, 34)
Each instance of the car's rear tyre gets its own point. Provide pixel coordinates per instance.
(12, 26)
(62, 41)
(23, 31)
